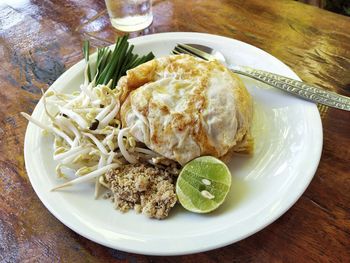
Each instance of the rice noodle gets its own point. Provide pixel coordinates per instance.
(146, 151)
(122, 148)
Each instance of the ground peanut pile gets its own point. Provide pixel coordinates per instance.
(145, 188)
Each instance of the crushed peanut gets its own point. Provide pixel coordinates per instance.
(148, 189)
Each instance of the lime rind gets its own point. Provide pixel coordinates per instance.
(185, 199)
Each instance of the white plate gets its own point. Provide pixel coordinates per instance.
(288, 137)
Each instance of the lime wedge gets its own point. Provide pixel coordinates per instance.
(203, 184)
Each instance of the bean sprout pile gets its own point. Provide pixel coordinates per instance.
(88, 136)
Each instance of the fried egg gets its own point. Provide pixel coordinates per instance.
(182, 107)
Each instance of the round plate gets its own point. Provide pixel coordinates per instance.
(288, 143)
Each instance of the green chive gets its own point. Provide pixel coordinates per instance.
(86, 48)
(112, 65)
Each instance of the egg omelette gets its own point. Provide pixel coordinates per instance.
(183, 107)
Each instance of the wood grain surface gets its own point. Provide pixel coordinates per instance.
(40, 39)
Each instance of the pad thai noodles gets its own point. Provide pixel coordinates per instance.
(137, 121)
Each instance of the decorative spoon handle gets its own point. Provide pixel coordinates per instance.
(307, 91)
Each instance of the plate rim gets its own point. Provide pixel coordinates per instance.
(210, 246)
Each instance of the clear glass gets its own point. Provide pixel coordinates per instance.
(130, 15)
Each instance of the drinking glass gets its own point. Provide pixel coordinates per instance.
(130, 15)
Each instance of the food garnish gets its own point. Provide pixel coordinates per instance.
(203, 184)
(146, 188)
(112, 65)
(88, 137)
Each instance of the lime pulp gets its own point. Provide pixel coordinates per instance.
(203, 184)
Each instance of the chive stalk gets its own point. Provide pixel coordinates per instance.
(86, 48)
(112, 65)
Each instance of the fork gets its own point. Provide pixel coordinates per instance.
(299, 88)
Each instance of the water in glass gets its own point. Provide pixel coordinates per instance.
(130, 15)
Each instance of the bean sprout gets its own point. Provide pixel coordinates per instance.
(88, 176)
(89, 149)
(88, 135)
(74, 116)
(97, 143)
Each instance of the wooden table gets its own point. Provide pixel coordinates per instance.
(41, 39)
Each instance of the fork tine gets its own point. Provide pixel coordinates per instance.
(181, 50)
(196, 52)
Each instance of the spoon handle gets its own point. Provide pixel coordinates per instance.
(301, 89)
